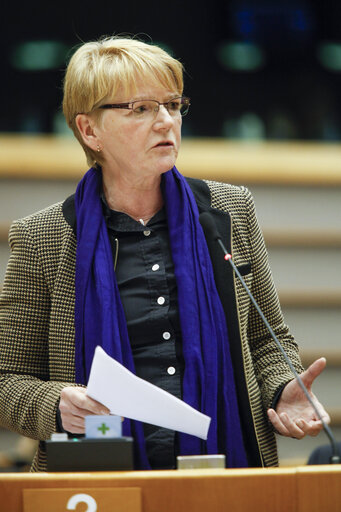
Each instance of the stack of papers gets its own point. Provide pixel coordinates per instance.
(126, 395)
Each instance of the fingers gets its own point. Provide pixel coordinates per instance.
(313, 371)
(74, 405)
(323, 413)
(75, 399)
(297, 428)
(325, 416)
(284, 425)
(311, 428)
(73, 424)
(277, 423)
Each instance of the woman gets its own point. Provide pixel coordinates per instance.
(124, 264)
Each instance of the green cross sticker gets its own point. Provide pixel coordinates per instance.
(103, 428)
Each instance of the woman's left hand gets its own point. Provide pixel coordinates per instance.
(294, 416)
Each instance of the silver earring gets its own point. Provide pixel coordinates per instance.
(98, 149)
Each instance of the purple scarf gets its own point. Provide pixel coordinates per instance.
(208, 383)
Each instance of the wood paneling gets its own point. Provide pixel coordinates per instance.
(309, 163)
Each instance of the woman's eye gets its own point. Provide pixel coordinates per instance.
(141, 108)
(174, 105)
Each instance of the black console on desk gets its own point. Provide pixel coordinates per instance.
(83, 454)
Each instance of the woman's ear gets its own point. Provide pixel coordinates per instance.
(86, 128)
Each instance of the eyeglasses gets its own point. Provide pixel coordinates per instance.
(145, 109)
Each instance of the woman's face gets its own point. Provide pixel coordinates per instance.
(139, 148)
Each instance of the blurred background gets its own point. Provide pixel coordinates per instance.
(264, 78)
(261, 69)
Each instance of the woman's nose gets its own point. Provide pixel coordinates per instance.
(163, 116)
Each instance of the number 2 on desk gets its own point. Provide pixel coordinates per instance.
(82, 498)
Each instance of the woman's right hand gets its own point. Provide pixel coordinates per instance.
(74, 405)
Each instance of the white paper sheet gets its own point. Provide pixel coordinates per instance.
(131, 397)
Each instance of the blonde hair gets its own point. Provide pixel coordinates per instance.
(98, 69)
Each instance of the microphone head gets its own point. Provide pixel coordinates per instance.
(208, 225)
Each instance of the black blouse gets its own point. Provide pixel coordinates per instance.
(147, 286)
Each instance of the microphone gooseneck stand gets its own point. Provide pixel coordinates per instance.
(210, 229)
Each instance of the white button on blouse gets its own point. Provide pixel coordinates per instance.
(166, 335)
(147, 232)
(155, 267)
(171, 370)
(161, 300)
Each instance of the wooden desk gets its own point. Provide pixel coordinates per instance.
(301, 489)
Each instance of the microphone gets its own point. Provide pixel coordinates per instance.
(210, 229)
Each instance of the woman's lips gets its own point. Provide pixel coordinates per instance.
(164, 143)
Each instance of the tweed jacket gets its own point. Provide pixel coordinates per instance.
(37, 337)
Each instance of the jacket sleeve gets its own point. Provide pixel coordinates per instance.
(271, 369)
(28, 399)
